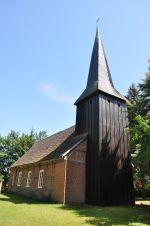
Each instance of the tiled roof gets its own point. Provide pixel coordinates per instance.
(51, 147)
(69, 144)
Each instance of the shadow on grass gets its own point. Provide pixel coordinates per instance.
(19, 199)
(112, 215)
(98, 216)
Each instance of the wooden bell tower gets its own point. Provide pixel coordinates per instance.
(102, 113)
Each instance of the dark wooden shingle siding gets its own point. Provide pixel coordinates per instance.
(108, 159)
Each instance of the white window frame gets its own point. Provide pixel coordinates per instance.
(29, 179)
(19, 179)
(41, 179)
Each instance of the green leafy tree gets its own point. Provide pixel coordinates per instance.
(140, 139)
(134, 103)
(13, 146)
(41, 135)
(139, 116)
(144, 88)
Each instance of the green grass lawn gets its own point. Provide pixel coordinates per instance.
(20, 211)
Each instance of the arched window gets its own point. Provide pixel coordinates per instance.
(41, 179)
(19, 179)
(29, 179)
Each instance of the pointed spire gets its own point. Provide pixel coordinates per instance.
(99, 77)
(93, 71)
(99, 70)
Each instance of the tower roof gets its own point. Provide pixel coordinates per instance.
(99, 78)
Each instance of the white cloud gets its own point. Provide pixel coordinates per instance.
(54, 93)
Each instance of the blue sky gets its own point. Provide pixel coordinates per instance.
(45, 50)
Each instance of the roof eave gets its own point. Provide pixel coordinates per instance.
(84, 97)
(74, 146)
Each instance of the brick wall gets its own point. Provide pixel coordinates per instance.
(64, 180)
(58, 181)
(75, 175)
(53, 181)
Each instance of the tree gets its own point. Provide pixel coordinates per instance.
(41, 135)
(134, 103)
(144, 88)
(139, 116)
(13, 146)
(140, 139)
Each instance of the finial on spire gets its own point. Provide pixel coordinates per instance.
(97, 29)
(97, 20)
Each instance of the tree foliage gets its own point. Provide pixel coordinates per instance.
(140, 139)
(144, 88)
(139, 116)
(14, 145)
(134, 103)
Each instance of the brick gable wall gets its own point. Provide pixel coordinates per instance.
(75, 175)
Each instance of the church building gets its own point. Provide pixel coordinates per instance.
(86, 163)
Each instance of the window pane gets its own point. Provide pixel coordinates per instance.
(29, 179)
(19, 179)
(40, 181)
